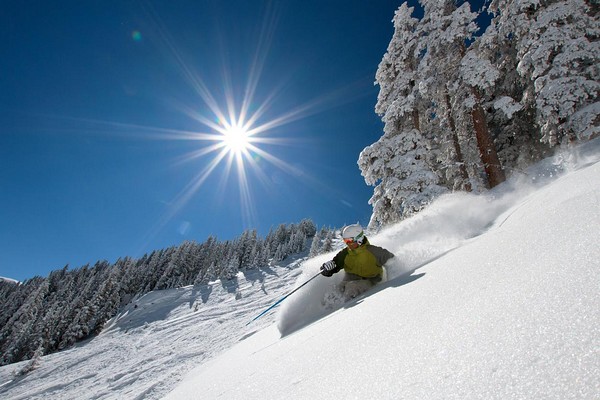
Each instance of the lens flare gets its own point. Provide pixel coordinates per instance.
(234, 132)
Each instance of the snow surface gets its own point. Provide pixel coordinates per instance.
(144, 351)
(492, 296)
(511, 313)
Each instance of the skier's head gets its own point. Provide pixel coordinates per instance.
(353, 235)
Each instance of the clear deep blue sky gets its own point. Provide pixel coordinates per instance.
(102, 103)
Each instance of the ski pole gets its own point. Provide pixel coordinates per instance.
(281, 299)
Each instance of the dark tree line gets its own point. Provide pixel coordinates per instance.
(44, 315)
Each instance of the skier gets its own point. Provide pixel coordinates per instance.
(361, 261)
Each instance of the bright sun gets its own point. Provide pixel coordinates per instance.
(236, 139)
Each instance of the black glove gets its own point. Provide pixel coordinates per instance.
(328, 268)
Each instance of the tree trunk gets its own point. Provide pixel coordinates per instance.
(459, 157)
(487, 149)
(416, 122)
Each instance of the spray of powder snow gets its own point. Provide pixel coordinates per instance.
(444, 225)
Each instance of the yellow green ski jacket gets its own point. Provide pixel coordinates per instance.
(365, 261)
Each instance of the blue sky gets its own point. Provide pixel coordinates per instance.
(111, 114)
(106, 107)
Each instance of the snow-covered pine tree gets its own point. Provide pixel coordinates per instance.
(279, 242)
(560, 55)
(247, 248)
(188, 259)
(157, 263)
(58, 306)
(328, 241)
(175, 269)
(478, 77)
(511, 111)
(230, 264)
(307, 227)
(445, 30)
(206, 268)
(105, 302)
(281, 252)
(399, 163)
(260, 258)
(128, 278)
(131, 282)
(85, 309)
(397, 71)
(19, 334)
(406, 183)
(13, 297)
(476, 74)
(211, 273)
(297, 242)
(315, 246)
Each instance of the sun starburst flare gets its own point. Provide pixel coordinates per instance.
(236, 139)
(232, 137)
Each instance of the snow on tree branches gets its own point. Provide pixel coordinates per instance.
(462, 108)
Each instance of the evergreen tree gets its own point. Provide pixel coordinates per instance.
(328, 242)
(445, 29)
(247, 249)
(20, 335)
(399, 164)
(231, 262)
(560, 57)
(307, 227)
(315, 246)
(511, 111)
(406, 184)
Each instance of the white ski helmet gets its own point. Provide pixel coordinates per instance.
(353, 232)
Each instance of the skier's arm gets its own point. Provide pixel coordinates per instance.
(339, 260)
(331, 267)
(382, 255)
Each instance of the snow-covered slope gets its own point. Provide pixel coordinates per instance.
(510, 314)
(145, 350)
(489, 297)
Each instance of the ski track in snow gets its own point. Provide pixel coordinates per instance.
(155, 340)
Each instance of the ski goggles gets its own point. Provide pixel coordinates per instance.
(356, 239)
